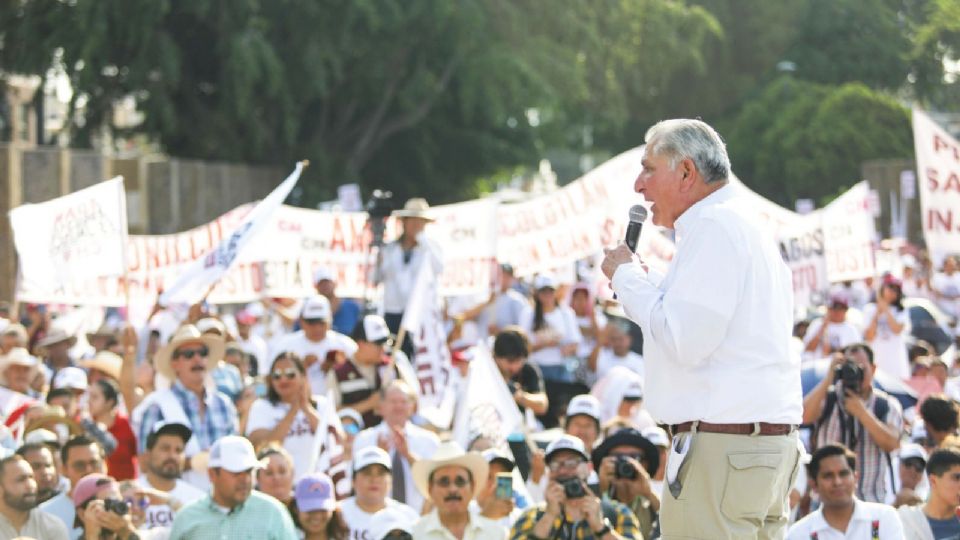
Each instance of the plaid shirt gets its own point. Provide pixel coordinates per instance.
(228, 380)
(625, 524)
(872, 464)
(220, 419)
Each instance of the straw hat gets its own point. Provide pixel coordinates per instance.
(56, 334)
(105, 330)
(447, 454)
(105, 361)
(18, 356)
(188, 333)
(50, 418)
(414, 208)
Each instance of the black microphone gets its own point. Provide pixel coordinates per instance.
(638, 214)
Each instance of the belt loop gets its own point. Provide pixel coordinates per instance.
(756, 429)
(693, 426)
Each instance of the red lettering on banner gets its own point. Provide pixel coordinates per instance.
(940, 220)
(805, 278)
(939, 143)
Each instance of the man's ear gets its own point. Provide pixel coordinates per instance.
(688, 174)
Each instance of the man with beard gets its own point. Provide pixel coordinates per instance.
(162, 464)
(40, 459)
(233, 509)
(19, 515)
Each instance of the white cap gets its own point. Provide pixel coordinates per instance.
(657, 436)
(41, 436)
(389, 519)
(633, 390)
(209, 323)
(316, 307)
(912, 450)
(566, 442)
(371, 455)
(323, 273)
(584, 404)
(544, 281)
(374, 329)
(908, 261)
(234, 454)
(70, 377)
(352, 414)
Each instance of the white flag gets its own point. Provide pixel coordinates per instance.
(81, 235)
(203, 273)
(486, 407)
(423, 322)
(938, 164)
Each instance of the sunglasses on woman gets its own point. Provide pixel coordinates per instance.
(290, 373)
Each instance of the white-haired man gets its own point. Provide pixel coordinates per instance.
(720, 321)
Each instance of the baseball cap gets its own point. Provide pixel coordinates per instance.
(633, 391)
(584, 404)
(839, 301)
(315, 492)
(165, 427)
(657, 436)
(544, 281)
(323, 273)
(245, 317)
(371, 455)
(90, 485)
(495, 455)
(566, 442)
(234, 454)
(352, 414)
(371, 328)
(210, 324)
(70, 377)
(912, 450)
(316, 307)
(41, 436)
(387, 520)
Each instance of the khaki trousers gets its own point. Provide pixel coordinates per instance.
(733, 486)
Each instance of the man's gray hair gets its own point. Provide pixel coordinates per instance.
(680, 139)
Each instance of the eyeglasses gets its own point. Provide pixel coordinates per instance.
(569, 463)
(290, 372)
(445, 481)
(312, 322)
(202, 352)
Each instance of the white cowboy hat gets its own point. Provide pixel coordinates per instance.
(188, 333)
(414, 208)
(56, 334)
(105, 361)
(18, 356)
(447, 454)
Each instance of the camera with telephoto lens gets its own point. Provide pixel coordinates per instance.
(849, 374)
(624, 469)
(379, 208)
(573, 488)
(116, 506)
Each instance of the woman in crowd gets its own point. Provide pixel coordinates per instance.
(289, 415)
(316, 513)
(554, 331)
(101, 511)
(103, 399)
(276, 478)
(886, 327)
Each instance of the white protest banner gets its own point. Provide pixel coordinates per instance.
(467, 234)
(423, 323)
(81, 235)
(194, 284)
(486, 407)
(938, 165)
(848, 233)
(802, 248)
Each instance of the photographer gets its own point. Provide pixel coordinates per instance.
(510, 351)
(625, 462)
(101, 511)
(571, 509)
(845, 408)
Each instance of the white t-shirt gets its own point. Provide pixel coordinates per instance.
(606, 360)
(889, 349)
(161, 515)
(298, 343)
(422, 444)
(300, 438)
(360, 523)
(948, 285)
(838, 335)
(561, 320)
(860, 526)
(588, 343)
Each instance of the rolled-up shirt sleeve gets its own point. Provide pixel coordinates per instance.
(688, 315)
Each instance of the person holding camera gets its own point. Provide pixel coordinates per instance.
(625, 462)
(101, 511)
(511, 348)
(572, 510)
(845, 407)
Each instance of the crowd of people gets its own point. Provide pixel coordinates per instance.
(291, 418)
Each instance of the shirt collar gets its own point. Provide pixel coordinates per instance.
(689, 217)
(222, 510)
(860, 513)
(181, 389)
(434, 525)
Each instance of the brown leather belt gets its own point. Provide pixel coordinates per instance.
(736, 429)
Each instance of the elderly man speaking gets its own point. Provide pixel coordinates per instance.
(716, 334)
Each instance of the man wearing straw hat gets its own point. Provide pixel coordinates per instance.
(399, 262)
(451, 480)
(187, 361)
(56, 345)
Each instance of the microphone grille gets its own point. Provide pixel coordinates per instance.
(638, 213)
